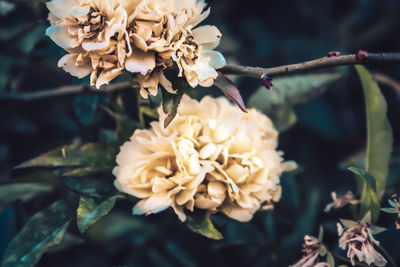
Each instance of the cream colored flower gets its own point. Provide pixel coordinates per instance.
(212, 156)
(144, 37)
(358, 239)
(312, 249)
(341, 201)
(161, 33)
(93, 32)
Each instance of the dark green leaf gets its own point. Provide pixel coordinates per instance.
(125, 126)
(369, 198)
(91, 210)
(291, 91)
(170, 105)
(87, 155)
(44, 230)
(22, 191)
(369, 179)
(200, 222)
(95, 186)
(87, 108)
(380, 137)
(284, 118)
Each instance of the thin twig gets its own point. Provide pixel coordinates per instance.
(256, 72)
(320, 63)
(65, 91)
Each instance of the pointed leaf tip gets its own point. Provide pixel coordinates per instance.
(230, 90)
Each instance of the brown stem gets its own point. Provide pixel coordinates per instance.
(256, 72)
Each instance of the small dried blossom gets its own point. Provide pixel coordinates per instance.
(357, 238)
(340, 201)
(313, 249)
(104, 37)
(212, 157)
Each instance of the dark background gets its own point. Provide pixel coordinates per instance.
(330, 129)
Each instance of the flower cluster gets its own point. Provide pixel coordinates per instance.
(212, 156)
(144, 37)
(357, 238)
(312, 250)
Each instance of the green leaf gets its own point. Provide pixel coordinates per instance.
(348, 223)
(27, 187)
(125, 126)
(91, 210)
(291, 91)
(369, 198)
(44, 230)
(389, 210)
(369, 179)
(330, 259)
(170, 105)
(87, 155)
(200, 222)
(87, 108)
(321, 233)
(284, 118)
(380, 137)
(376, 230)
(22, 191)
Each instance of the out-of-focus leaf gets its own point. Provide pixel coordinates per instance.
(67, 242)
(95, 186)
(87, 155)
(330, 260)
(369, 198)
(85, 171)
(380, 137)
(87, 108)
(370, 180)
(29, 40)
(151, 112)
(108, 137)
(44, 230)
(376, 230)
(348, 223)
(22, 191)
(119, 225)
(200, 222)
(6, 7)
(170, 105)
(389, 210)
(125, 126)
(230, 90)
(289, 91)
(284, 118)
(91, 210)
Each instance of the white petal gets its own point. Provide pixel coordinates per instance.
(61, 8)
(215, 58)
(59, 34)
(207, 36)
(81, 11)
(241, 215)
(68, 63)
(106, 76)
(140, 62)
(154, 204)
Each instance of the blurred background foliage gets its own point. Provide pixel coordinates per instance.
(329, 133)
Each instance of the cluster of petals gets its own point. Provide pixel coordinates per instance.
(339, 201)
(144, 37)
(312, 250)
(358, 239)
(212, 156)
